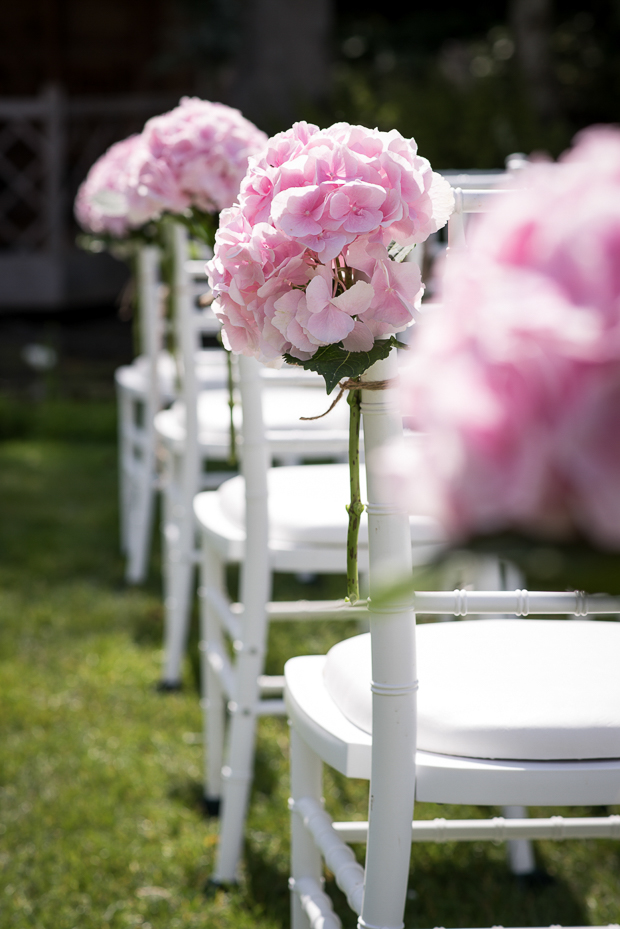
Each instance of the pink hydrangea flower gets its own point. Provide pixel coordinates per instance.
(206, 147)
(101, 205)
(197, 154)
(338, 197)
(516, 379)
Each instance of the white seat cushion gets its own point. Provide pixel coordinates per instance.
(211, 371)
(135, 377)
(529, 690)
(283, 408)
(307, 505)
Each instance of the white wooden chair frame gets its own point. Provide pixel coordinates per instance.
(239, 685)
(183, 477)
(388, 758)
(139, 394)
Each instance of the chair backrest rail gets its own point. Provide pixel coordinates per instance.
(470, 201)
(497, 829)
(518, 602)
(339, 858)
(477, 201)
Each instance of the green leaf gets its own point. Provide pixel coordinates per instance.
(334, 363)
(399, 252)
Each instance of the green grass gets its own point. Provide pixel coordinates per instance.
(100, 821)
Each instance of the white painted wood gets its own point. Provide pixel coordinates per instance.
(138, 408)
(182, 482)
(390, 759)
(310, 907)
(195, 430)
(520, 851)
(445, 779)
(392, 781)
(517, 602)
(250, 650)
(337, 855)
(303, 536)
(442, 778)
(498, 829)
(213, 700)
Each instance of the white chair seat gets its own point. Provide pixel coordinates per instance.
(134, 378)
(283, 408)
(211, 372)
(501, 689)
(307, 506)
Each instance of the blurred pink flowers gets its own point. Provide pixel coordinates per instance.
(516, 379)
(301, 261)
(206, 146)
(195, 155)
(101, 205)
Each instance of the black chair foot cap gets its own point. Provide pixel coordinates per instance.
(536, 880)
(212, 887)
(169, 687)
(211, 806)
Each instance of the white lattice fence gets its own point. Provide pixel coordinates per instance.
(30, 173)
(47, 145)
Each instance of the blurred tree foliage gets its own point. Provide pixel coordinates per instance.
(451, 75)
(471, 82)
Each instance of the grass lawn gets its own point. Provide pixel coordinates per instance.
(100, 821)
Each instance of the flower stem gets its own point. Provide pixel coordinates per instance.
(356, 507)
(232, 447)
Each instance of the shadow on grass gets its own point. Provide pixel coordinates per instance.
(468, 888)
(188, 792)
(148, 625)
(267, 884)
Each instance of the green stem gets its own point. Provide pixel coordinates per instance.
(356, 507)
(167, 274)
(232, 449)
(134, 299)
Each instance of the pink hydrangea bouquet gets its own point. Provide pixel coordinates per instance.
(188, 163)
(308, 265)
(102, 205)
(206, 147)
(516, 380)
(302, 262)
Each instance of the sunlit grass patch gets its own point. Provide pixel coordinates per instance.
(101, 825)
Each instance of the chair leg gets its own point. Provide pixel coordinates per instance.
(392, 781)
(176, 618)
(236, 781)
(306, 781)
(213, 701)
(140, 527)
(125, 419)
(520, 851)
(178, 575)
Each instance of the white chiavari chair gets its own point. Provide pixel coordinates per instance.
(196, 430)
(286, 519)
(542, 728)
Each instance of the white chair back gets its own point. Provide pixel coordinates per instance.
(467, 202)
(139, 388)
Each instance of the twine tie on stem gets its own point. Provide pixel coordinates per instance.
(351, 384)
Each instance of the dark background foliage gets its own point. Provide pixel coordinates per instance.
(471, 82)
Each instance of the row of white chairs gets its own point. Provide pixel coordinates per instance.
(312, 539)
(285, 519)
(234, 525)
(511, 713)
(158, 377)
